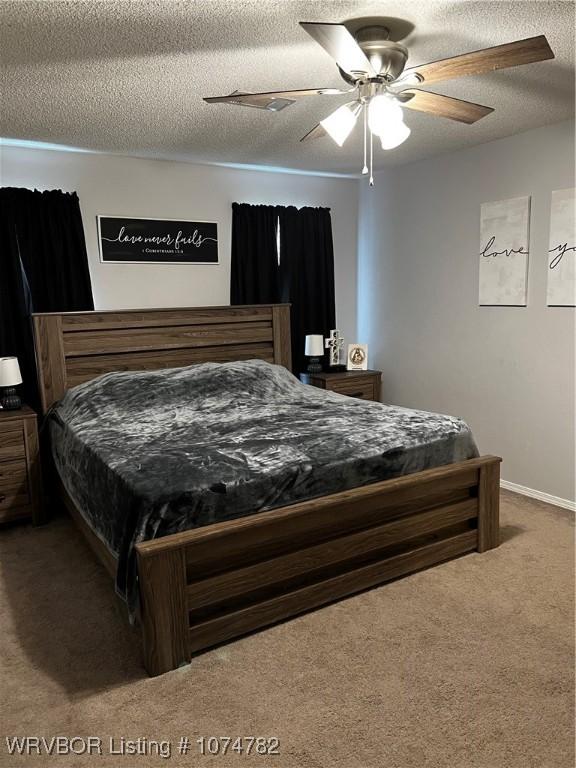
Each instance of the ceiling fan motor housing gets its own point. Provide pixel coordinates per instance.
(388, 58)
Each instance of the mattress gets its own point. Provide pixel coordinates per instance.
(149, 453)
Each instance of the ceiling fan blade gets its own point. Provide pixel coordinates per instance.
(296, 94)
(339, 43)
(316, 133)
(487, 60)
(444, 106)
(273, 101)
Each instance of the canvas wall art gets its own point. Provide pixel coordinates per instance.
(504, 248)
(157, 241)
(561, 287)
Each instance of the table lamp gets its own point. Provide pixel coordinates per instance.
(314, 349)
(10, 377)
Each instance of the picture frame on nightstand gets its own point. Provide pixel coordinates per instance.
(357, 358)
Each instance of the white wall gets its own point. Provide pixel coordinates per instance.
(508, 371)
(125, 186)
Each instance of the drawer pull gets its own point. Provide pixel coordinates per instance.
(2, 497)
(355, 394)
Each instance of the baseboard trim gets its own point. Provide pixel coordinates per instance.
(540, 495)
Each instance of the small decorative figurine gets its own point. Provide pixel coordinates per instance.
(334, 343)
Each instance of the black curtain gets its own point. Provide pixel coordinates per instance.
(307, 256)
(254, 276)
(43, 268)
(303, 276)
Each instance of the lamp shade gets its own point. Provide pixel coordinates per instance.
(9, 372)
(314, 345)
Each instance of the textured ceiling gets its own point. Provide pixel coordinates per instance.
(129, 77)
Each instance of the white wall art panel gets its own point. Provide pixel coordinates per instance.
(504, 237)
(561, 289)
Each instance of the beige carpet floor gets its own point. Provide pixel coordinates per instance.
(466, 665)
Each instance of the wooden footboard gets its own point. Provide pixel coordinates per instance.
(205, 586)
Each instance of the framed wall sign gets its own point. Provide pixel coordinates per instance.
(157, 241)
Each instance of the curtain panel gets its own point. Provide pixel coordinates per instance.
(299, 271)
(254, 277)
(307, 258)
(43, 268)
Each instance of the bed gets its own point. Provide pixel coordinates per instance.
(287, 510)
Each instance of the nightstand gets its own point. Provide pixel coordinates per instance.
(20, 478)
(362, 384)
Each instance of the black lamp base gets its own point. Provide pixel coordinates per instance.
(10, 399)
(314, 365)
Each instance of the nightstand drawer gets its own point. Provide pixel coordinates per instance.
(14, 490)
(14, 505)
(353, 388)
(20, 478)
(13, 477)
(12, 444)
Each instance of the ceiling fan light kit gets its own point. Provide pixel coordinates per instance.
(372, 62)
(395, 134)
(383, 110)
(340, 123)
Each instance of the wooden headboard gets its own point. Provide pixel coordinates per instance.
(73, 347)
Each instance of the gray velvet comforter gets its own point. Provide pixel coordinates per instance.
(146, 454)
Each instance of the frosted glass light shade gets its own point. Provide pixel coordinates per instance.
(394, 135)
(314, 345)
(10, 374)
(383, 110)
(340, 123)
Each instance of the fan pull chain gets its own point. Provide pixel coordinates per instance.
(365, 168)
(371, 159)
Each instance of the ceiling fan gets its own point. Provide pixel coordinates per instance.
(372, 63)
